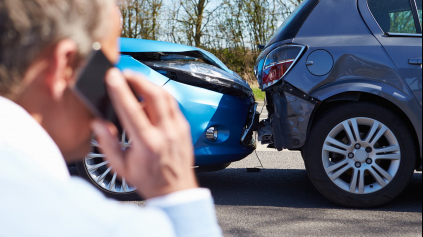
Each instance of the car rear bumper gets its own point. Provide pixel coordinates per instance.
(290, 114)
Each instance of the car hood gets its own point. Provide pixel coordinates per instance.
(203, 75)
(162, 61)
(129, 63)
(151, 46)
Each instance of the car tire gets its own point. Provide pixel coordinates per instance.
(83, 173)
(349, 181)
(96, 170)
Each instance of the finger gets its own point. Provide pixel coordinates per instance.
(176, 110)
(128, 109)
(179, 120)
(112, 128)
(156, 101)
(109, 146)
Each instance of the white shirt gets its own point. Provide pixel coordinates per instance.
(39, 198)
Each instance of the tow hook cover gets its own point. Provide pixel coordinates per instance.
(265, 132)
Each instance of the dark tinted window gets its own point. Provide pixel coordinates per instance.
(394, 16)
(419, 9)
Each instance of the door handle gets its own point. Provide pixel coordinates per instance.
(415, 61)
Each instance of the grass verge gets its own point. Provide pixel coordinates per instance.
(260, 95)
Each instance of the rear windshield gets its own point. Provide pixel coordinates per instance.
(292, 25)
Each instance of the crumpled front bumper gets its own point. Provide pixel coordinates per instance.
(229, 114)
(251, 126)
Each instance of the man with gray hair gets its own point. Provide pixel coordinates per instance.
(43, 125)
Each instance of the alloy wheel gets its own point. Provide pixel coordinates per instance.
(361, 155)
(98, 170)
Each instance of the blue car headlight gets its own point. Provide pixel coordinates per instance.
(203, 75)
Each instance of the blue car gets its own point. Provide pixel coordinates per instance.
(218, 104)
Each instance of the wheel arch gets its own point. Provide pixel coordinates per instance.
(372, 91)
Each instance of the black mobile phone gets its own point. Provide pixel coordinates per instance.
(91, 88)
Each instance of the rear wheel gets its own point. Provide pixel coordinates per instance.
(96, 170)
(360, 155)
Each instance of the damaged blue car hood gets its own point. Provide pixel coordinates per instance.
(161, 61)
(129, 63)
(145, 46)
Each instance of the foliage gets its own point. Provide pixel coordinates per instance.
(259, 94)
(402, 22)
(230, 29)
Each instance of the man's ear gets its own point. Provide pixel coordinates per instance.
(61, 69)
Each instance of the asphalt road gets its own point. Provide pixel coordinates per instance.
(281, 201)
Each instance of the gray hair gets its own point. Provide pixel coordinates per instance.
(28, 27)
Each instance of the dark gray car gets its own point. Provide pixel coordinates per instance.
(343, 82)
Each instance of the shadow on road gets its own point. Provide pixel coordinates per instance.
(289, 188)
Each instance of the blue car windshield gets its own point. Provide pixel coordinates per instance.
(291, 26)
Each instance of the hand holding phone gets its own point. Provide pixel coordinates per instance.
(91, 87)
(161, 156)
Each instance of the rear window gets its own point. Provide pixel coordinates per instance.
(394, 16)
(292, 25)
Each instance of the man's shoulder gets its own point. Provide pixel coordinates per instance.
(47, 207)
(14, 161)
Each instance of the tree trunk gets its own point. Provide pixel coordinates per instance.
(199, 23)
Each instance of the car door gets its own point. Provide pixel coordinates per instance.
(400, 22)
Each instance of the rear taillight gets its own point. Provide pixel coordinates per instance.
(279, 62)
